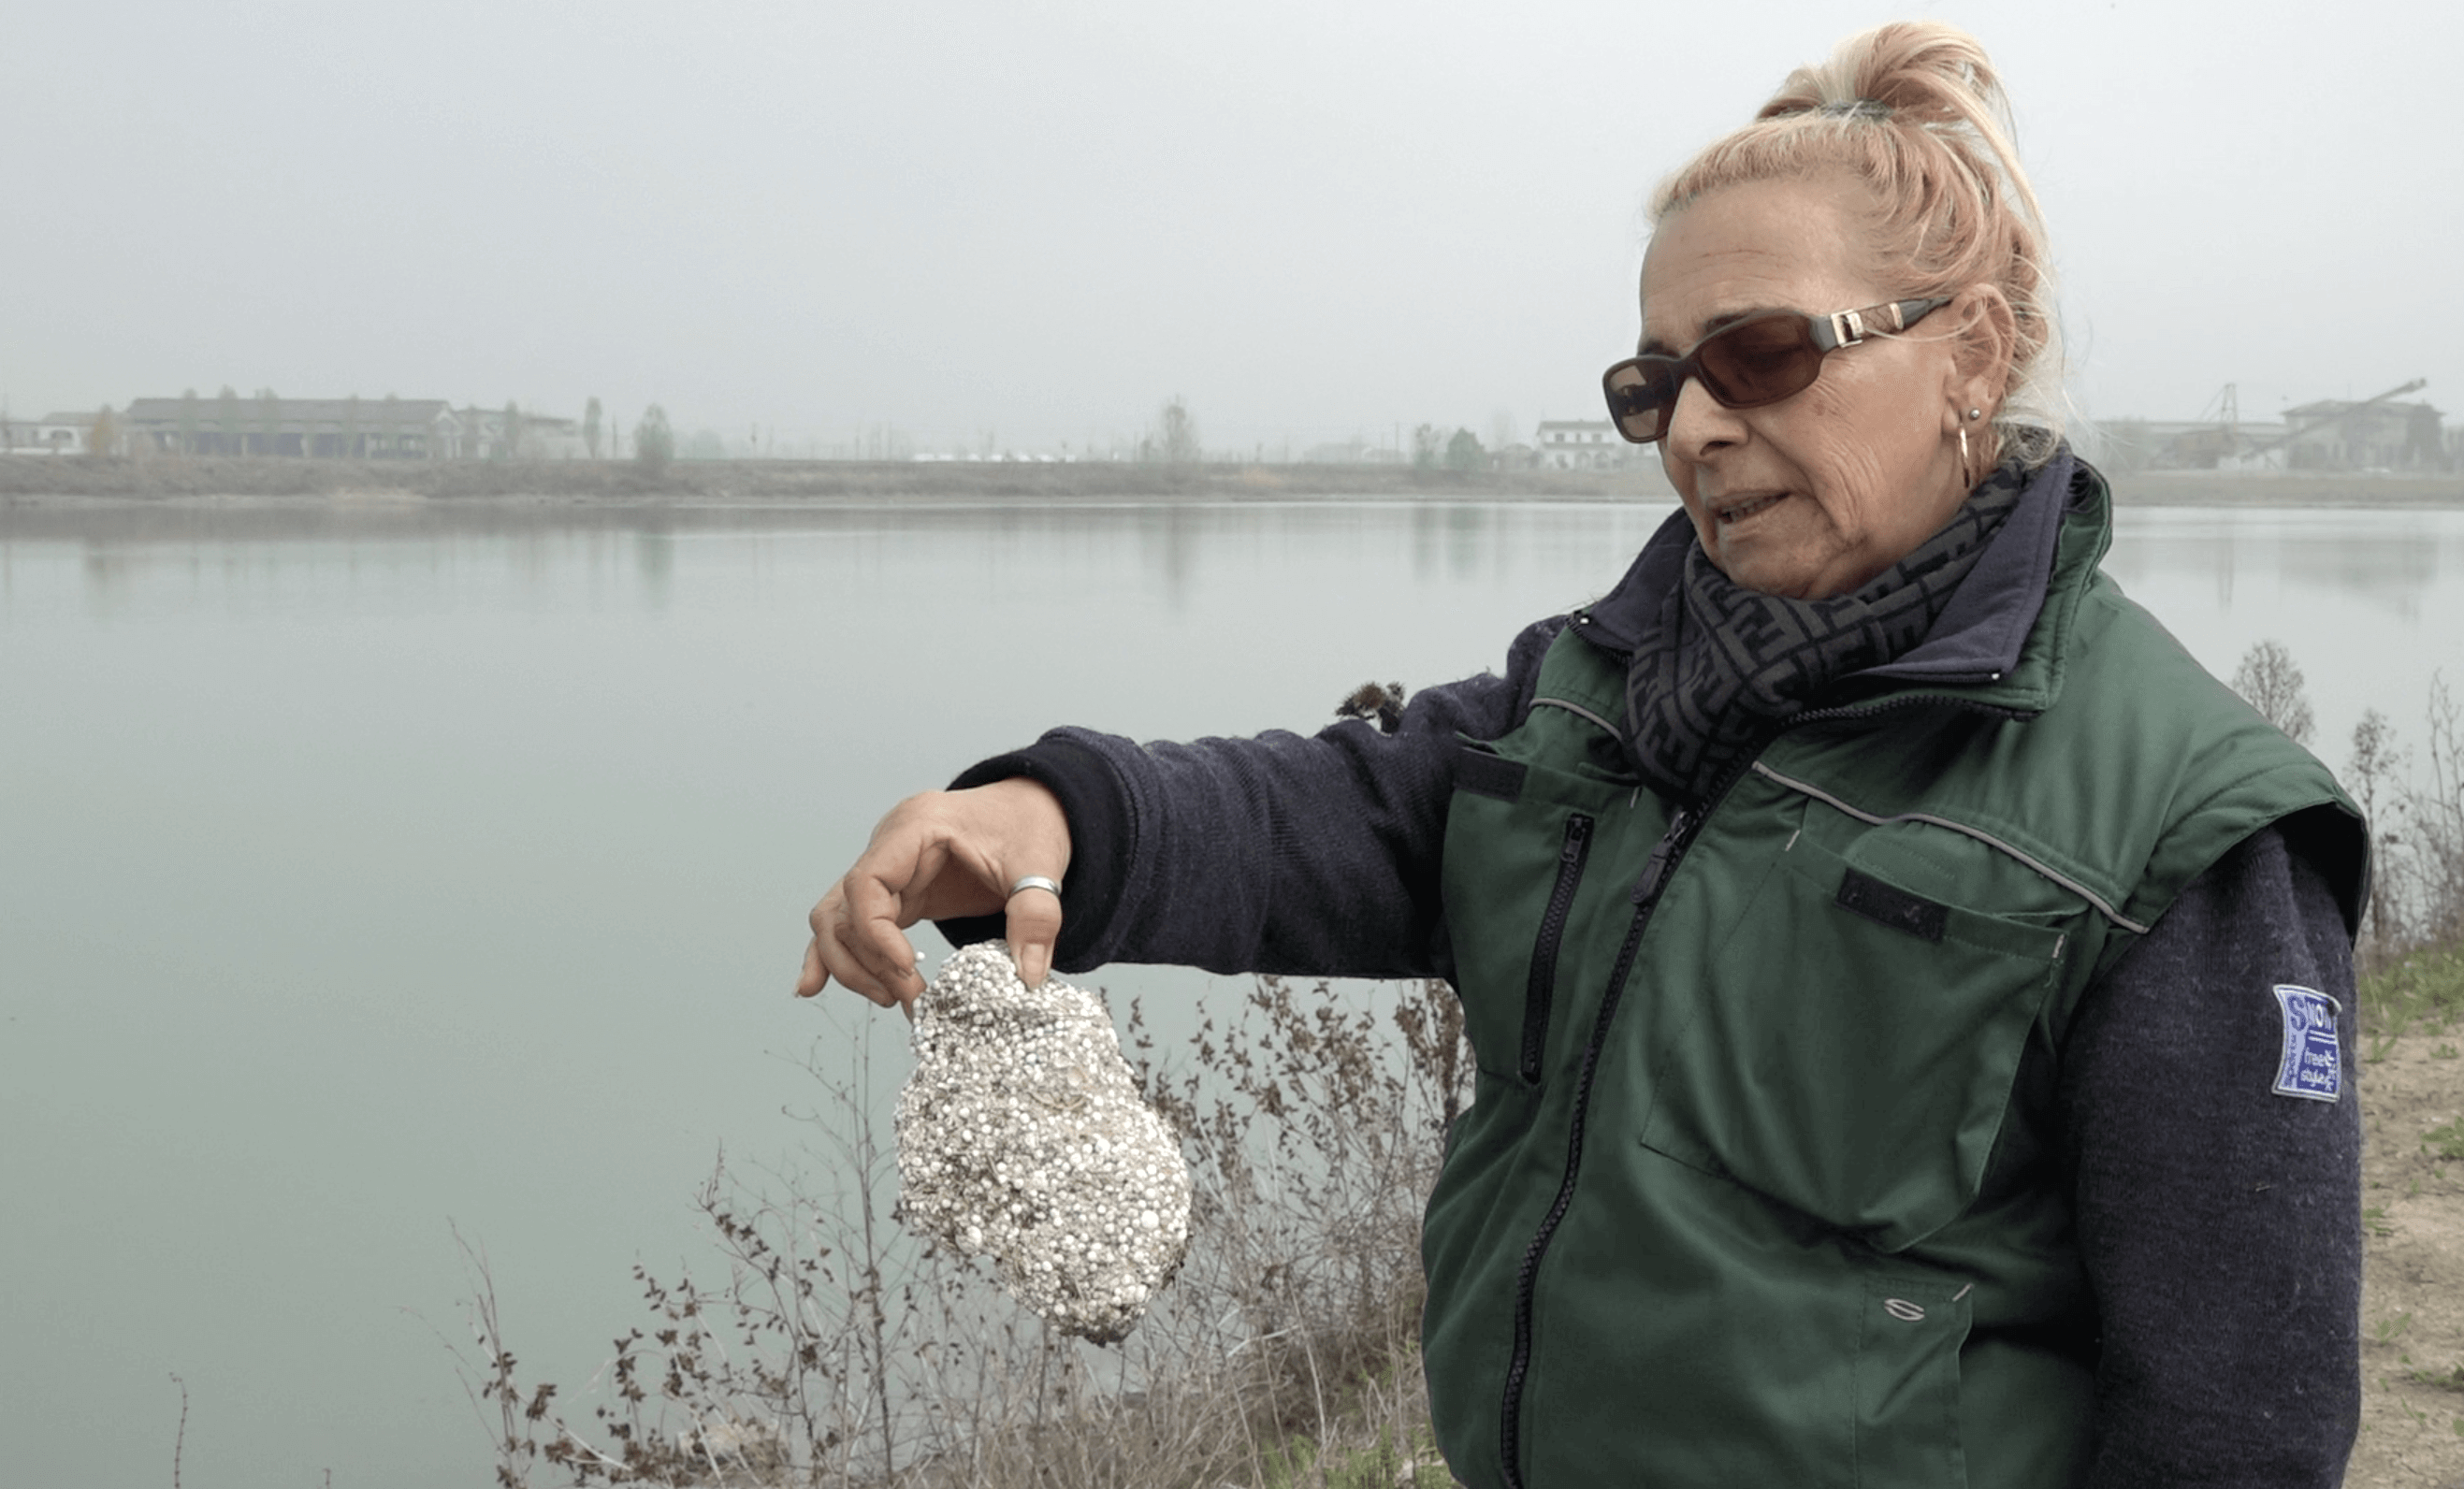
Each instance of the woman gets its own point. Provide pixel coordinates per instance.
(1908, 993)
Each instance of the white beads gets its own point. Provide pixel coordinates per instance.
(1022, 1138)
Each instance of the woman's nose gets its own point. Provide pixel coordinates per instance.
(1698, 425)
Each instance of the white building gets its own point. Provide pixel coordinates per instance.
(52, 434)
(1583, 444)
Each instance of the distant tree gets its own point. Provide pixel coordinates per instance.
(351, 427)
(590, 428)
(1176, 435)
(188, 422)
(102, 436)
(392, 436)
(1426, 442)
(1463, 451)
(1502, 428)
(2270, 682)
(655, 442)
(511, 444)
(227, 414)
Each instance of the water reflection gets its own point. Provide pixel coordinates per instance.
(364, 837)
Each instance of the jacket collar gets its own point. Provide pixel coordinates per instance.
(1987, 648)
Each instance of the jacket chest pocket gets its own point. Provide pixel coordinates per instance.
(1849, 1048)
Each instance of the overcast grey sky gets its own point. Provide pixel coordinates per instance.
(1041, 219)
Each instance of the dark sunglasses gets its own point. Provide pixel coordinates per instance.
(1757, 361)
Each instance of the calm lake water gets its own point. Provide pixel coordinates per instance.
(363, 871)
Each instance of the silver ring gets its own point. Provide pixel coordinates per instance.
(1035, 882)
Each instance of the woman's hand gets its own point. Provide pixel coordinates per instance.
(938, 855)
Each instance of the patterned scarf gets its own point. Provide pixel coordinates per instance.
(1719, 666)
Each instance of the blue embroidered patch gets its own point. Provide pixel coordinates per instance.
(2313, 1066)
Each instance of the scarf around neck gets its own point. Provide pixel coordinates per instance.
(1717, 666)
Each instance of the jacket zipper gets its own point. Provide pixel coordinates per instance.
(1656, 870)
(1542, 987)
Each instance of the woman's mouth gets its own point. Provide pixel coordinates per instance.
(1741, 511)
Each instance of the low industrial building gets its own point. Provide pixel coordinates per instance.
(329, 429)
(2378, 435)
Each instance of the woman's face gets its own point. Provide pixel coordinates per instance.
(1817, 493)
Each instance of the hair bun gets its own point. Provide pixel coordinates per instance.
(1915, 111)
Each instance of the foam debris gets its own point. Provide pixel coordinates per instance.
(1023, 1139)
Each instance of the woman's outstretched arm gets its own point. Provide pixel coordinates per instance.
(1277, 853)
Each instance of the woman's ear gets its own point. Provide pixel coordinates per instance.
(1984, 336)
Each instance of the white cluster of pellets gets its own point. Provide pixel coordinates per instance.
(1022, 1138)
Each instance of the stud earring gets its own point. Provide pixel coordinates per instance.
(1976, 413)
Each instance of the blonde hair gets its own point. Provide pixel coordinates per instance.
(1915, 111)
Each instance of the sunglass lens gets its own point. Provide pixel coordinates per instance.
(1640, 394)
(1759, 361)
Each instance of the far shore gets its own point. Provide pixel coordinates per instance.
(44, 483)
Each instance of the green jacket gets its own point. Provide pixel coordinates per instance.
(1760, 1186)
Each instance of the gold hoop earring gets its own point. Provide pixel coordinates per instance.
(1962, 451)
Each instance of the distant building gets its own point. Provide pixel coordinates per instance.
(331, 428)
(2332, 435)
(1583, 444)
(2125, 445)
(52, 434)
(483, 434)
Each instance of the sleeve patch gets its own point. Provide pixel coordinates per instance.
(2313, 1066)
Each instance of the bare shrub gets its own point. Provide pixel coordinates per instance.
(2270, 682)
(2416, 811)
(2433, 822)
(840, 1350)
(2374, 776)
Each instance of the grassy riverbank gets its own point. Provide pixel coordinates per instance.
(623, 484)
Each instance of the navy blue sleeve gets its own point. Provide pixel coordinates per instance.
(2219, 1221)
(1313, 855)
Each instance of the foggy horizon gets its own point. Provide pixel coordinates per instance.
(1032, 225)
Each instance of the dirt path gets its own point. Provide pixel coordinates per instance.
(2412, 1292)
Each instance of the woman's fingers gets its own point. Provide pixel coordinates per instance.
(883, 893)
(935, 856)
(1033, 927)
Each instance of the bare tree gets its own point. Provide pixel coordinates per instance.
(590, 428)
(2375, 776)
(1463, 451)
(655, 442)
(1175, 438)
(2270, 682)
